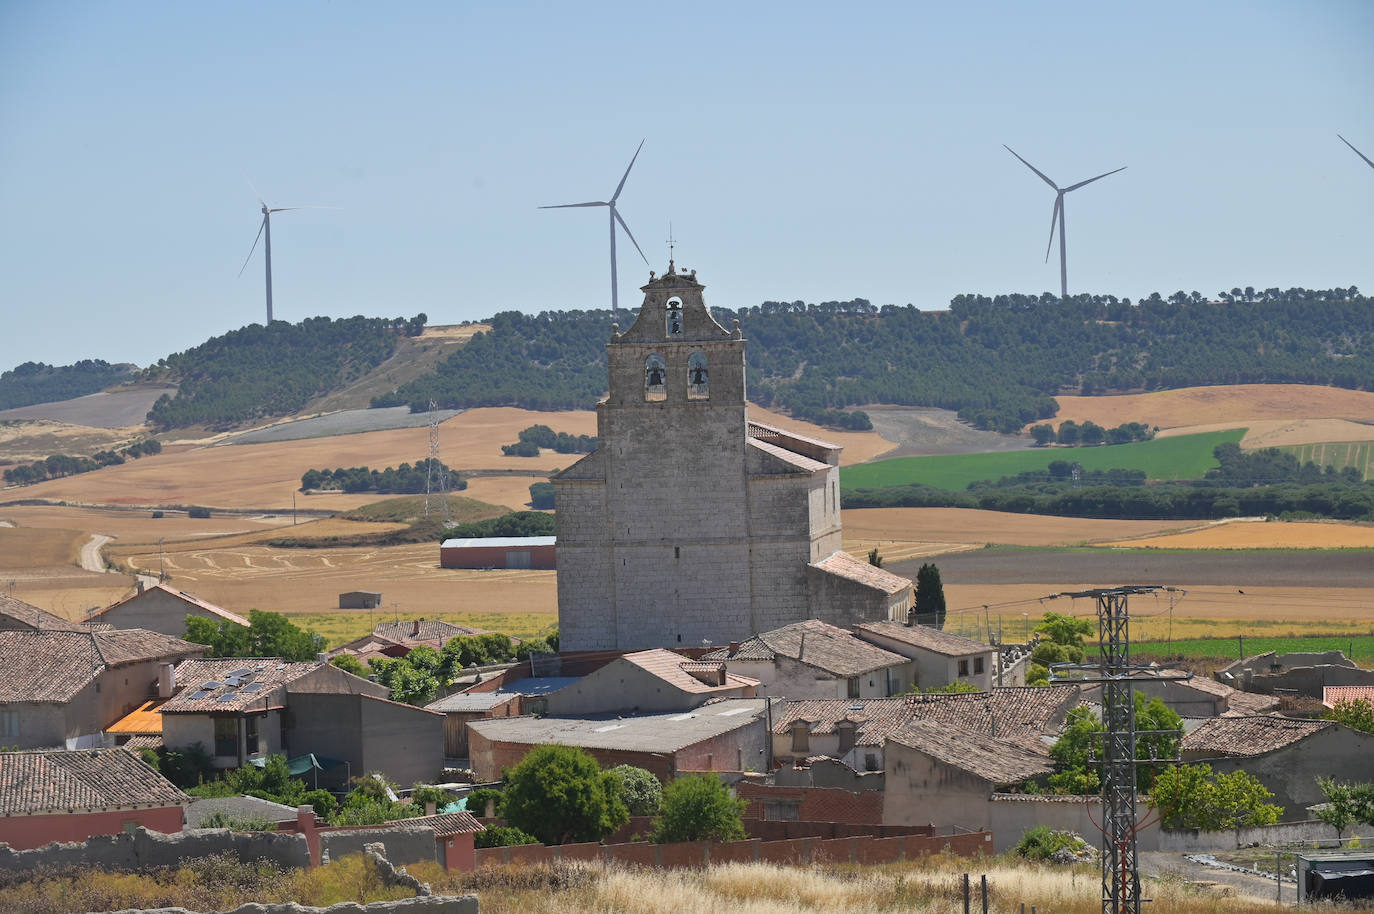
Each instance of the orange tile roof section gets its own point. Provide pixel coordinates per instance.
(146, 720)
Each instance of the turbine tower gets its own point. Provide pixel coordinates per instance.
(265, 235)
(614, 218)
(1357, 152)
(1058, 216)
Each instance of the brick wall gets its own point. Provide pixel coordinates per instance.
(816, 804)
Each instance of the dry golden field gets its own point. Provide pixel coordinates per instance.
(1225, 406)
(1260, 535)
(901, 533)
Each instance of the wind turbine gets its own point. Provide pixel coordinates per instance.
(1357, 152)
(1058, 216)
(614, 218)
(265, 235)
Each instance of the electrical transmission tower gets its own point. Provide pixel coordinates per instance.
(436, 474)
(1114, 670)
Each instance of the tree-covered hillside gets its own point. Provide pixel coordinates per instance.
(997, 361)
(35, 382)
(259, 371)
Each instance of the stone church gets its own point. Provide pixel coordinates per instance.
(691, 524)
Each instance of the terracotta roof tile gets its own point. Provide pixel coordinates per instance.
(815, 644)
(428, 630)
(1000, 761)
(1246, 736)
(23, 615)
(449, 823)
(876, 718)
(1333, 694)
(926, 637)
(791, 458)
(212, 685)
(676, 670)
(844, 565)
(83, 779)
(54, 666)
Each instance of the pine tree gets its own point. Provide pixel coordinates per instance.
(930, 597)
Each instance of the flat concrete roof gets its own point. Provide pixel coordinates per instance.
(668, 732)
(498, 542)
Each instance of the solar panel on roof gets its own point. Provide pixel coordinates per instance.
(227, 697)
(243, 672)
(253, 687)
(201, 694)
(211, 685)
(232, 682)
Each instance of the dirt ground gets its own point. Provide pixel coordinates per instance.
(1225, 406)
(920, 432)
(119, 408)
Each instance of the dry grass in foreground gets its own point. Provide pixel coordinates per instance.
(930, 885)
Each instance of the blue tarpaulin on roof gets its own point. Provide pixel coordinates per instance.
(303, 763)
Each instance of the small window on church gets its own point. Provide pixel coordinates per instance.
(673, 317)
(655, 387)
(698, 378)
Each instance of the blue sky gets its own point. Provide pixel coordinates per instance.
(801, 151)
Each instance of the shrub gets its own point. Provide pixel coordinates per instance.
(198, 512)
(503, 836)
(699, 808)
(482, 799)
(560, 794)
(222, 819)
(641, 791)
(157, 514)
(1042, 843)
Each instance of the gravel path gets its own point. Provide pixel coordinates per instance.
(91, 559)
(1172, 865)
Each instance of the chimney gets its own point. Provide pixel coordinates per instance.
(140, 585)
(166, 680)
(415, 628)
(734, 648)
(321, 657)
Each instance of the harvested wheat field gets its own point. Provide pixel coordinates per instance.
(22, 547)
(1261, 535)
(901, 533)
(1224, 407)
(511, 491)
(859, 447)
(138, 526)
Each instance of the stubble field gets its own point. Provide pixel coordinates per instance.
(1227, 406)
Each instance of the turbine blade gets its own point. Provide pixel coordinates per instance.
(1031, 167)
(621, 185)
(616, 214)
(1054, 220)
(1091, 180)
(1357, 152)
(571, 205)
(282, 209)
(255, 190)
(261, 226)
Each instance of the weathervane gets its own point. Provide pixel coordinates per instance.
(671, 243)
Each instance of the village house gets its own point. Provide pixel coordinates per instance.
(722, 736)
(63, 688)
(647, 681)
(396, 639)
(1286, 755)
(74, 795)
(241, 709)
(1197, 696)
(849, 730)
(939, 657)
(461, 708)
(160, 608)
(812, 659)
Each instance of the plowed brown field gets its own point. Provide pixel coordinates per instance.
(1224, 407)
(1261, 535)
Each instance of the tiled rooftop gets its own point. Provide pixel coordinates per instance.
(54, 666)
(79, 780)
(926, 637)
(232, 683)
(449, 823)
(212, 609)
(423, 630)
(799, 461)
(676, 670)
(1333, 694)
(17, 613)
(844, 565)
(1244, 736)
(469, 702)
(815, 644)
(144, 720)
(877, 718)
(997, 760)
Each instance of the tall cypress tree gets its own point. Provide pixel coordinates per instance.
(930, 597)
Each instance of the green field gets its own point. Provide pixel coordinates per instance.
(1338, 454)
(1181, 457)
(1359, 648)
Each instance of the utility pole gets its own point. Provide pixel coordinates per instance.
(436, 477)
(1115, 672)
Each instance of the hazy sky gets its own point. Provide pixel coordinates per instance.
(801, 151)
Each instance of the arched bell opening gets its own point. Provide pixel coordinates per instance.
(698, 377)
(655, 378)
(672, 316)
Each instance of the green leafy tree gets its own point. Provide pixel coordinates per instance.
(559, 794)
(267, 635)
(1355, 713)
(1346, 804)
(1043, 434)
(699, 807)
(641, 791)
(930, 597)
(1078, 751)
(1192, 796)
(1066, 630)
(412, 685)
(483, 801)
(368, 803)
(503, 836)
(350, 664)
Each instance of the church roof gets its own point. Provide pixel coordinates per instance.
(816, 644)
(796, 461)
(844, 565)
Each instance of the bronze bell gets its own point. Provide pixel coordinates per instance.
(699, 375)
(655, 376)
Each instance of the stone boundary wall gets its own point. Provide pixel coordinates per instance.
(797, 851)
(1308, 832)
(429, 904)
(404, 843)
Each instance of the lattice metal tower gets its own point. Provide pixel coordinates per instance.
(436, 474)
(1114, 670)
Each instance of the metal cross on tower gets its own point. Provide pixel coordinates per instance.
(1116, 673)
(436, 474)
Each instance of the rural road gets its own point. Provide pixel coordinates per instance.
(1173, 865)
(93, 560)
